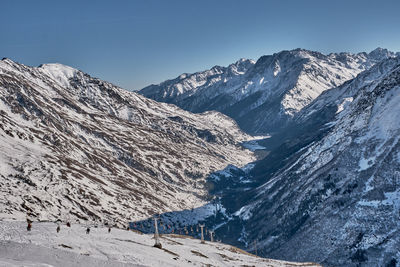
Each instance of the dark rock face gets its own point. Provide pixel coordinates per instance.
(334, 199)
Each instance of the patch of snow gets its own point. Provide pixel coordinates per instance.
(244, 213)
(60, 73)
(344, 104)
(251, 142)
(366, 163)
(248, 167)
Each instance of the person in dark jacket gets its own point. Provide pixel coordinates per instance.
(87, 230)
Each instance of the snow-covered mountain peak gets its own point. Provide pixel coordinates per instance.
(7, 65)
(240, 66)
(270, 91)
(183, 76)
(244, 63)
(59, 72)
(379, 54)
(6, 59)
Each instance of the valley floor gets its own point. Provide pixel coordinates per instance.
(43, 246)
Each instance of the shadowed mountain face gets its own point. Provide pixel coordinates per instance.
(340, 194)
(263, 96)
(328, 190)
(75, 146)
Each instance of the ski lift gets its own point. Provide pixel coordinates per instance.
(157, 243)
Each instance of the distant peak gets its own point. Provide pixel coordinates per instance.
(216, 67)
(244, 60)
(287, 55)
(183, 76)
(379, 50)
(296, 52)
(381, 53)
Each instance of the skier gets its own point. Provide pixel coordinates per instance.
(68, 224)
(109, 229)
(29, 227)
(87, 230)
(58, 228)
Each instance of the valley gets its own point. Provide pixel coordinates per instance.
(308, 158)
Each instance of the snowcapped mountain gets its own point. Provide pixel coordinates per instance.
(262, 96)
(326, 188)
(76, 146)
(173, 91)
(330, 194)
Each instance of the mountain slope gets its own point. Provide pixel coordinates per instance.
(72, 247)
(75, 146)
(339, 196)
(264, 95)
(327, 190)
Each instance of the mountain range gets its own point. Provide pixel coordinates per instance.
(337, 191)
(327, 189)
(322, 185)
(263, 95)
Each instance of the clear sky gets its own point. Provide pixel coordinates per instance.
(134, 43)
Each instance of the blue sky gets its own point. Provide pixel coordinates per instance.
(136, 43)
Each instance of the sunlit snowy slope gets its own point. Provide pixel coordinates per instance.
(75, 146)
(73, 247)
